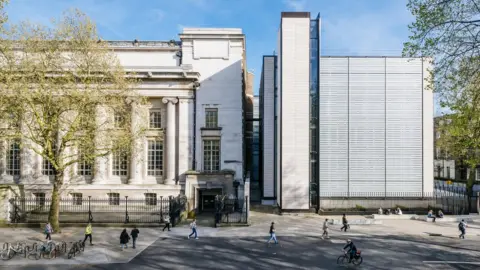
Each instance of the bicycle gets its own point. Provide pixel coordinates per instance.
(9, 251)
(345, 258)
(48, 250)
(76, 247)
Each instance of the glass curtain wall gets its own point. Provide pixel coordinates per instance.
(314, 88)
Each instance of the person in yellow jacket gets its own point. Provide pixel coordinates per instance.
(88, 233)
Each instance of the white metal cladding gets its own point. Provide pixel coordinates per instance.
(333, 123)
(404, 65)
(366, 132)
(268, 125)
(295, 113)
(278, 121)
(404, 131)
(333, 65)
(367, 65)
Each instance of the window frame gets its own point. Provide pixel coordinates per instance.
(120, 163)
(77, 198)
(152, 115)
(13, 156)
(84, 168)
(151, 199)
(47, 168)
(211, 121)
(113, 198)
(40, 198)
(118, 120)
(152, 158)
(209, 166)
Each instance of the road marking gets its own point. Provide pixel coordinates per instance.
(450, 262)
(337, 241)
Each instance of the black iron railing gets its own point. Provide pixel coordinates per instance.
(99, 210)
(231, 210)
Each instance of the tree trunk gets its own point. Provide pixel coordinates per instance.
(53, 215)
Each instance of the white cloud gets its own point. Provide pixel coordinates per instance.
(296, 5)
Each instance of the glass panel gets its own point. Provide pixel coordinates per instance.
(155, 158)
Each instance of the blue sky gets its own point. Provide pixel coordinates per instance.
(350, 27)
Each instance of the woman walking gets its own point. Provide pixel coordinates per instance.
(124, 239)
(48, 231)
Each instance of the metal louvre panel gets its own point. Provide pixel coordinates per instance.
(333, 65)
(404, 130)
(268, 126)
(366, 131)
(404, 65)
(333, 157)
(367, 65)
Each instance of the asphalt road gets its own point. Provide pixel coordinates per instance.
(294, 252)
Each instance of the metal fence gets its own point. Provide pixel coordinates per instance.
(231, 210)
(99, 210)
(451, 200)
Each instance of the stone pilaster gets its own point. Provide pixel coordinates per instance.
(185, 132)
(137, 158)
(171, 142)
(100, 174)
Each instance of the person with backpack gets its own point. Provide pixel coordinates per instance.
(193, 226)
(134, 233)
(462, 226)
(48, 231)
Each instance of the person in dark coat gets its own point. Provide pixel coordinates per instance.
(134, 235)
(124, 238)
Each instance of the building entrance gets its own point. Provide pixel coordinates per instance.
(207, 199)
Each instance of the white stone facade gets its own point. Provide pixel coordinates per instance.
(184, 80)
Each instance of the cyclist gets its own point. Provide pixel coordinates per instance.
(352, 249)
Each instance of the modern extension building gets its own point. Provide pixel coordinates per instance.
(194, 143)
(341, 126)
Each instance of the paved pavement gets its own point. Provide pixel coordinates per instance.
(401, 244)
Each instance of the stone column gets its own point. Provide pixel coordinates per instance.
(136, 160)
(100, 173)
(171, 142)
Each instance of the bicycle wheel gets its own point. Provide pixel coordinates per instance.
(358, 260)
(4, 255)
(81, 246)
(71, 254)
(36, 255)
(342, 260)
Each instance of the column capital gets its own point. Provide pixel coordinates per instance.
(173, 100)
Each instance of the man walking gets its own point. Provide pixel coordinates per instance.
(167, 222)
(88, 233)
(193, 226)
(272, 234)
(462, 226)
(134, 233)
(325, 229)
(345, 223)
(48, 231)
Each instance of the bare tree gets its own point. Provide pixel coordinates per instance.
(65, 96)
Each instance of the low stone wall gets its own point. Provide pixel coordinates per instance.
(389, 203)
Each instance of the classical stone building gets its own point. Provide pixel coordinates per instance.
(194, 142)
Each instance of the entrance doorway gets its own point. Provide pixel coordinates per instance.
(207, 199)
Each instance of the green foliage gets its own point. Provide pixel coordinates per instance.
(449, 31)
(360, 208)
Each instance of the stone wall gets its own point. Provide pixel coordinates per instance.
(195, 181)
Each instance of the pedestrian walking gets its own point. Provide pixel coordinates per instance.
(88, 233)
(462, 227)
(325, 229)
(134, 233)
(167, 222)
(272, 234)
(193, 226)
(48, 231)
(345, 223)
(124, 239)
